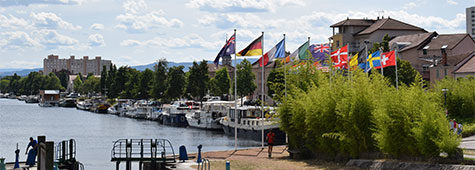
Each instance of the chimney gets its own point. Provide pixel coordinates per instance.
(444, 55)
(86, 57)
(71, 57)
(98, 57)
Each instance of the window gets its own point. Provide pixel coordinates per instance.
(337, 43)
(437, 74)
(445, 72)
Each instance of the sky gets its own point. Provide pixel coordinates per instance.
(138, 32)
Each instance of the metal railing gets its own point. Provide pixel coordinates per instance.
(159, 150)
(205, 164)
(66, 151)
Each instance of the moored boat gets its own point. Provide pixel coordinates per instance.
(251, 125)
(209, 115)
(175, 114)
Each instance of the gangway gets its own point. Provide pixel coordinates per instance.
(157, 152)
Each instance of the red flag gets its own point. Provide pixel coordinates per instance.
(387, 59)
(340, 57)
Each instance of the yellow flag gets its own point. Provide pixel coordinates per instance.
(354, 60)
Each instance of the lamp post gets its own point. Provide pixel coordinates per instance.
(445, 98)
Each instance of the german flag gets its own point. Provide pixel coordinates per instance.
(253, 49)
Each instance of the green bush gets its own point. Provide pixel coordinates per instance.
(460, 96)
(351, 115)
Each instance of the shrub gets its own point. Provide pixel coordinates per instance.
(351, 115)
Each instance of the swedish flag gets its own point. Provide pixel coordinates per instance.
(373, 60)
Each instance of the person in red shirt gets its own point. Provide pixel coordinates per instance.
(270, 142)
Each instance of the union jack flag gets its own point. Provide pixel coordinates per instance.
(323, 48)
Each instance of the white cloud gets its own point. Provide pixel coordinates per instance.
(241, 6)
(188, 41)
(38, 2)
(141, 23)
(17, 40)
(12, 22)
(97, 27)
(134, 6)
(96, 40)
(51, 21)
(452, 2)
(409, 5)
(51, 39)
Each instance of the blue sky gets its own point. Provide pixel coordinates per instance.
(136, 32)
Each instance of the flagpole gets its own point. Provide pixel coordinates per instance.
(397, 81)
(366, 58)
(285, 72)
(235, 93)
(285, 87)
(262, 90)
(330, 61)
(380, 60)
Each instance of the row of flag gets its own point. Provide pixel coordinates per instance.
(317, 53)
(375, 60)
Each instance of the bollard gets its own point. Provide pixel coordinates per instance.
(17, 155)
(228, 165)
(2, 163)
(199, 153)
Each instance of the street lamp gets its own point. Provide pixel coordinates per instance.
(445, 97)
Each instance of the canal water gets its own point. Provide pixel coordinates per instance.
(94, 133)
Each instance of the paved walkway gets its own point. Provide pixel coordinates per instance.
(468, 143)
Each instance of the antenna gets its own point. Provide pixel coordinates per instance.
(380, 13)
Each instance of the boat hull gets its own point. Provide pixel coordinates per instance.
(256, 134)
(178, 120)
(206, 123)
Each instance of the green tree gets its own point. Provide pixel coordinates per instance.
(143, 87)
(245, 79)
(160, 79)
(103, 80)
(4, 85)
(91, 85)
(221, 83)
(63, 76)
(406, 73)
(198, 80)
(53, 83)
(77, 83)
(111, 83)
(176, 82)
(276, 83)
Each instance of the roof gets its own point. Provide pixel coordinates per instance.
(354, 22)
(51, 92)
(413, 40)
(212, 67)
(270, 64)
(467, 65)
(451, 40)
(389, 24)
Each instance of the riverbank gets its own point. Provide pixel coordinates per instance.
(256, 158)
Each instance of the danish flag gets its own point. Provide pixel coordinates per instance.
(340, 57)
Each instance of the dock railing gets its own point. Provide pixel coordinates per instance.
(158, 150)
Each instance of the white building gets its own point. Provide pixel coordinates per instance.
(75, 66)
(470, 12)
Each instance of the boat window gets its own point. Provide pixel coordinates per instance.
(257, 123)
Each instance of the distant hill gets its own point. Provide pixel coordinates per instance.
(187, 65)
(20, 72)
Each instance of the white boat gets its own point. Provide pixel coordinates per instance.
(209, 115)
(143, 109)
(249, 123)
(84, 105)
(174, 114)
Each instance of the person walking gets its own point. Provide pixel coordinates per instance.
(270, 142)
(31, 159)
